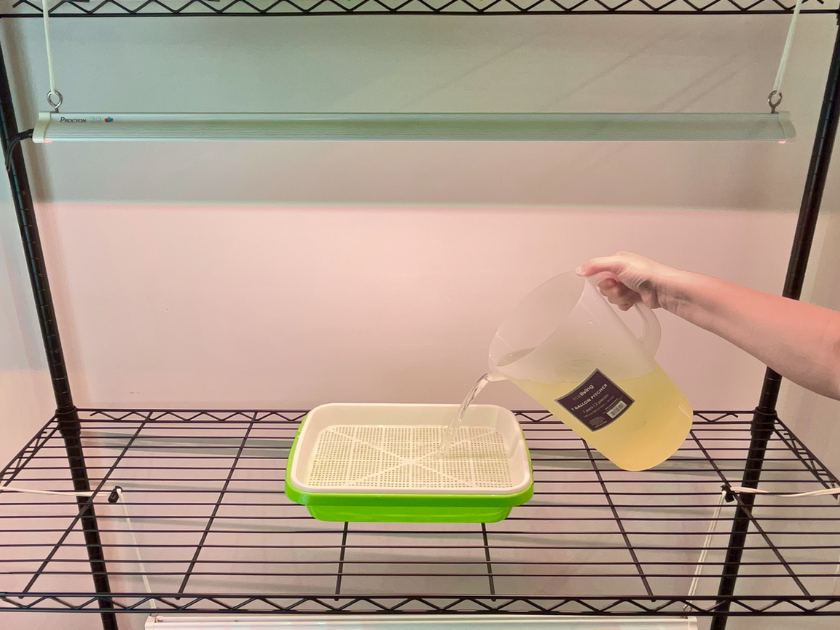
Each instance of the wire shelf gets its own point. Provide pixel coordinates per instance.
(255, 8)
(215, 533)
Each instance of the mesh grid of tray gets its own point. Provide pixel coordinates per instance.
(408, 457)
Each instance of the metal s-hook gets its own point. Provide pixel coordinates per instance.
(774, 103)
(54, 98)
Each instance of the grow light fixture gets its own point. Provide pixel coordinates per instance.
(92, 127)
(415, 622)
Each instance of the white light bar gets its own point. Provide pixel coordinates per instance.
(55, 127)
(414, 622)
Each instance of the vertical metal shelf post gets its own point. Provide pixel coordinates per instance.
(66, 413)
(764, 420)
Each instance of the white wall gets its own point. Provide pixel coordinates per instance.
(291, 274)
(813, 417)
(25, 395)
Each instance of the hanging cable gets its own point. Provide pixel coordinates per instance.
(88, 493)
(118, 495)
(23, 135)
(812, 493)
(692, 589)
(704, 552)
(54, 97)
(775, 98)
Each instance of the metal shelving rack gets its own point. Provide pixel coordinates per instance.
(196, 484)
(286, 8)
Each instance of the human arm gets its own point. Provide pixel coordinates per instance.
(799, 341)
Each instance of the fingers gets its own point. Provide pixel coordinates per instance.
(619, 294)
(607, 284)
(613, 265)
(625, 278)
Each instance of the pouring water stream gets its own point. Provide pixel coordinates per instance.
(451, 431)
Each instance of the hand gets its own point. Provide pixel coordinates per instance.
(629, 278)
(799, 341)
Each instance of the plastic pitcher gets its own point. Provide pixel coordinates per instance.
(567, 347)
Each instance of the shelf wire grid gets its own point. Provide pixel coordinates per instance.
(252, 8)
(204, 491)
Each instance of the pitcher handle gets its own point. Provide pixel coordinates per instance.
(652, 332)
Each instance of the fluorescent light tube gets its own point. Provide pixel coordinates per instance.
(62, 127)
(414, 622)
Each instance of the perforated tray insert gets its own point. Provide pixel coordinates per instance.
(408, 457)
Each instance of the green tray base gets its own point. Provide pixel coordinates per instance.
(368, 514)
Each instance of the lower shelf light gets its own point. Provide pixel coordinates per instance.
(416, 622)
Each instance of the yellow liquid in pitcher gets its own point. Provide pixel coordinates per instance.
(647, 434)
